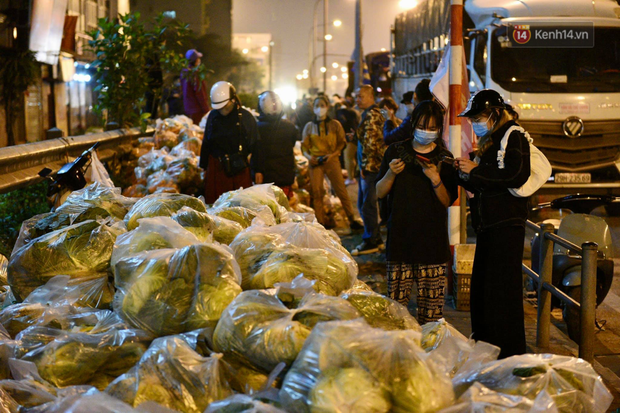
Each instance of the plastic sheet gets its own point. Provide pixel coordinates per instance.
(78, 250)
(200, 224)
(172, 374)
(65, 358)
(259, 328)
(160, 205)
(268, 255)
(151, 234)
(572, 383)
(350, 366)
(169, 291)
(380, 311)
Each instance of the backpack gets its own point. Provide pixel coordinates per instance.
(539, 165)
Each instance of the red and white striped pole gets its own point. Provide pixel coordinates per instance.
(456, 73)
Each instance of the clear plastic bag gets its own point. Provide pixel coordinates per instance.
(169, 291)
(98, 173)
(185, 173)
(65, 358)
(225, 230)
(268, 255)
(151, 234)
(350, 366)
(572, 383)
(380, 311)
(6, 352)
(254, 198)
(201, 224)
(189, 144)
(88, 402)
(259, 328)
(161, 205)
(172, 374)
(243, 216)
(94, 291)
(241, 403)
(78, 250)
(161, 182)
(480, 399)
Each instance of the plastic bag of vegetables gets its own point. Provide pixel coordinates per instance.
(96, 291)
(88, 402)
(78, 250)
(243, 216)
(94, 202)
(479, 398)
(269, 255)
(172, 374)
(65, 358)
(254, 198)
(452, 351)
(200, 224)
(158, 205)
(348, 366)
(381, 311)
(241, 403)
(572, 383)
(259, 328)
(225, 230)
(151, 234)
(170, 291)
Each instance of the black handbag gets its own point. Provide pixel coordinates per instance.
(234, 164)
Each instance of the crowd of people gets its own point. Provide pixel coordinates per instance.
(407, 180)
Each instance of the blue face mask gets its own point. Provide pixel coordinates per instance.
(424, 137)
(481, 129)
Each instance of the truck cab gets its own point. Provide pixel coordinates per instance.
(568, 99)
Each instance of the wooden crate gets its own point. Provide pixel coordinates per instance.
(461, 294)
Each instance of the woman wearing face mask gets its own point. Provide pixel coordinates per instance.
(499, 220)
(322, 141)
(420, 188)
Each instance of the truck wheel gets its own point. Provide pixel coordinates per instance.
(571, 315)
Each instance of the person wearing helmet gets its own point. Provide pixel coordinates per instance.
(418, 188)
(229, 140)
(499, 220)
(322, 141)
(273, 155)
(195, 99)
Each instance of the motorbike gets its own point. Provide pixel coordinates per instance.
(577, 225)
(70, 177)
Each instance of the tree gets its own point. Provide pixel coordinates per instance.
(18, 70)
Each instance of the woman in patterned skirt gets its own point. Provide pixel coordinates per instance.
(419, 186)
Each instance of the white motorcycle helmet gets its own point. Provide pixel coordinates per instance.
(270, 103)
(221, 93)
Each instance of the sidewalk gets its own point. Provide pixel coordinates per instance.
(372, 272)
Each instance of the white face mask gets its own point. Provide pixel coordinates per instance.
(320, 112)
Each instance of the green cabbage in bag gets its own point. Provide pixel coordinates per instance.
(162, 204)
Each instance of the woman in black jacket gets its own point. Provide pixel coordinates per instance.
(274, 160)
(499, 220)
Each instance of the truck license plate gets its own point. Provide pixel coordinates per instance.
(572, 178)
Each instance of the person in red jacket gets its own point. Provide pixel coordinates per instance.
(195, 96)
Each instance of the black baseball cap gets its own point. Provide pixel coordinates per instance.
(407, 98)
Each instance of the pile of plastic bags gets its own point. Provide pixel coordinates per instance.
(169, 160)
(116, 304)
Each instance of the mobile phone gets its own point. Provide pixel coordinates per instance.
(422, 158)
(448, 159)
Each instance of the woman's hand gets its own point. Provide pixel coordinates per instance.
(397, 166)
(465, 165)
(431, 172)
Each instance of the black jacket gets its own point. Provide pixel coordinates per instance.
(224, 135)
(403, 132)
(493, 206)
(273, 155)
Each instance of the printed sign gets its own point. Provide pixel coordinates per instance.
(552, 34)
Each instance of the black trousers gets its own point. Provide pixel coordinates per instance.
(497, 290)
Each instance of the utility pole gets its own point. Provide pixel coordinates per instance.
(457, 228)
(325, 45)
(359, 54)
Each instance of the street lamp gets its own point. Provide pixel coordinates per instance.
(245, 51)
(407, 4)
(337, 23)
(328, 37)
(264, 49)
(334, 77)
(343, 69)
(345, 75)
(299, 77)
(335, 65)
(323, 69)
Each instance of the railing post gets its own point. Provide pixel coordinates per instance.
(544, 296)
(588, 300)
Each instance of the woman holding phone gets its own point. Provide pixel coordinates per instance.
(420, 186)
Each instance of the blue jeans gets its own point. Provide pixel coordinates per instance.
(369, 210)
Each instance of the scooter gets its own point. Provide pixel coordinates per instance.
(578, 226)
(69, 178)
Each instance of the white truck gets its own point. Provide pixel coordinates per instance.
(568, 99)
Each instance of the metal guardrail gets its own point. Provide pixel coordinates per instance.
(20, 164)
(587, 306)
